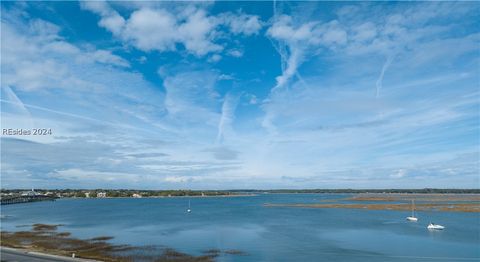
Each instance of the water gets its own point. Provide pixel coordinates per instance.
(264, 233)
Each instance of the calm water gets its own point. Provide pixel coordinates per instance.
(264, 233)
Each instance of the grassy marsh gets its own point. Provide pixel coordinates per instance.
(45, 238)
(424, 202)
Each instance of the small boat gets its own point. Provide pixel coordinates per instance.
(189, 210)
(435, 227)
(412, 217)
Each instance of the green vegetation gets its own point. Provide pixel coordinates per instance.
(358, 191)
(425, 202)
(92, 193)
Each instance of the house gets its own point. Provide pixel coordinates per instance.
(87, 194)
(30, 193)
(101, 194)
(137, 196)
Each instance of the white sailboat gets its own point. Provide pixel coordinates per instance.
(189, 210)
(412, 217)
(434, 226)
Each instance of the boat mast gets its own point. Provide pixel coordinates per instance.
(413, 208)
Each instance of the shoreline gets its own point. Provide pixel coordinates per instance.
(399, 202)
(469, 208)
(19, 253)
(46, 241)
(149, 197)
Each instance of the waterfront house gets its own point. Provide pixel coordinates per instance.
(87, 194)
(101, 194)
(136, 195)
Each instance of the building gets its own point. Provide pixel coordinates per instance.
(30, 193)
(136, 195)
(102, 194)
(87, 194)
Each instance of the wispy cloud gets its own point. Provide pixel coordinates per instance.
(221, 95)
(379, 82)
(228, 114)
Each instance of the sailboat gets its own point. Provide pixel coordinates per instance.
(435, 226)
(412, 217)
(189, 210)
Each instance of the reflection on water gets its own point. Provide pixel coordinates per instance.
(263, 233)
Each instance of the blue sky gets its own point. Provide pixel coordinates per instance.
(222, 95)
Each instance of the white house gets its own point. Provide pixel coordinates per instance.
(102, 194)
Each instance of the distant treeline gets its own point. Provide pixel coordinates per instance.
(166, 193)
(92, 193)
(358, 191)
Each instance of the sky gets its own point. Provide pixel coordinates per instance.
(237, 95)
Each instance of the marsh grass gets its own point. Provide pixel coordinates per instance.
(417, 197)
(45, 238)
(44, 227)
(424, 202)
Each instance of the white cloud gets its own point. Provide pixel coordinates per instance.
(225, 77)
(379, 82)
(151, 30)
(350, 36)
(110, 18)
(214, 58)
(364, 32)
(157, 28)
(228, 114)
(106, 57)
(314, 33)
(74, 175)
(191, 99)
(242, 23)
(235, 53)
(98, 7)
(177, 179)
(197, 33)
(401, 173)
(37, 57)
(284, 30)
(295, 41)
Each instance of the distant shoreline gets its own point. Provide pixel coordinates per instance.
(9, 196)
(233, 191)
(402, 202)
(149, 197)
